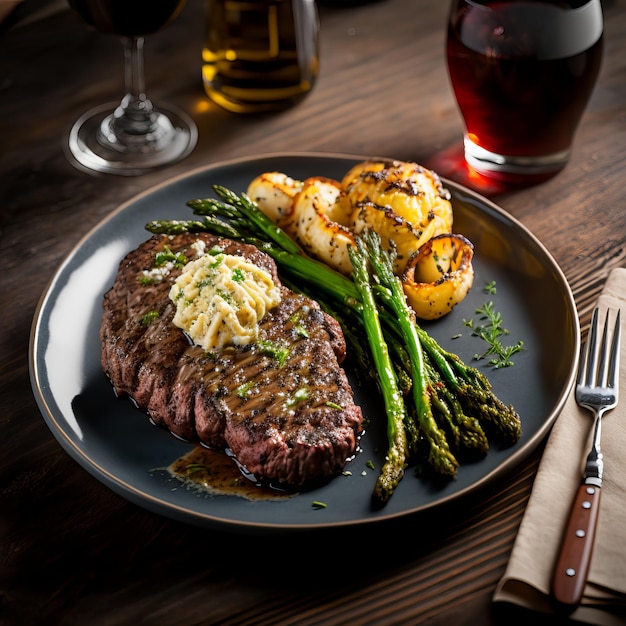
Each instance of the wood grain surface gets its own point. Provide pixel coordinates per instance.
(71, 551)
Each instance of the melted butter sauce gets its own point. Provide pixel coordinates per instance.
(217, 473)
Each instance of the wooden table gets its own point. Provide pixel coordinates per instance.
(73, 552)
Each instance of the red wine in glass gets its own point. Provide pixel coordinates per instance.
(130, 18)
(522, 73)
(133, 136)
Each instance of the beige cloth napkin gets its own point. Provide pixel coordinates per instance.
(526, 581)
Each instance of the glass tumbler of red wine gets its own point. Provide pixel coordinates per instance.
(133, 136)
(522, 72)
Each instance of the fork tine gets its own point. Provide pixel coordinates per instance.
(604, 357)
(613, 377)
(588, 365)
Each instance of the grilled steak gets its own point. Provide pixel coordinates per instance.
(282, 405)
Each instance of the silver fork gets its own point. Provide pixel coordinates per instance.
(596, 390)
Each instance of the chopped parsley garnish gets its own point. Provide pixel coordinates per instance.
(215, 262)
(296, 320)
(242, 390)
(275, 351)
(300, 395)
(166, 255)
(301, 330)
(238, 275)
(490, 288)
(149, 317)
(228, 298)
(201, 284)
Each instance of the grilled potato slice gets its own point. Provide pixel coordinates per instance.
(401, 201)
(413, 192)
(393, 228)
(274, 193)
(439, 275)
(319, 220)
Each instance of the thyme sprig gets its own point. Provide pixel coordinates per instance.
(491, 332)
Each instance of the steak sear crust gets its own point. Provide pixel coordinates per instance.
(288, 421)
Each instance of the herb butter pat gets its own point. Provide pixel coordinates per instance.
(220, 300)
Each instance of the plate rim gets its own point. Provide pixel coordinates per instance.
(173, 511)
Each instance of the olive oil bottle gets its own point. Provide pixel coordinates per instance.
(260, 55)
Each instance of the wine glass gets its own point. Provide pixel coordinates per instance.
(133, 136)
(522, 73)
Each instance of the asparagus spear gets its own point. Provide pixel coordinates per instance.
(468, 437)
(390, 289)
(474, 392)
(396, 458)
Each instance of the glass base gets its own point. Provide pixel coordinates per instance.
(93, 145)
(513, 168)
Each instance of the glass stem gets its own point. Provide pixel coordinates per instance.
(134, 76)
(135, 126)
(135, 116)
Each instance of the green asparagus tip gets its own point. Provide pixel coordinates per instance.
(388, 480)
(501, 422)
(443, 462)
(473, 440)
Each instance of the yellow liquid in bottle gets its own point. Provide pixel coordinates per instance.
(260, 56)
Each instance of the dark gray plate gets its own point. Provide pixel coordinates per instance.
(116, 443)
